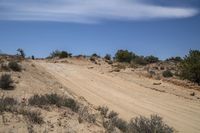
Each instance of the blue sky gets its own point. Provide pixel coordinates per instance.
(162, 28)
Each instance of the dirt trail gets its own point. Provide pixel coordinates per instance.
(126, 97)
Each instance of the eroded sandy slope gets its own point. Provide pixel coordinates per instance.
(128, 96)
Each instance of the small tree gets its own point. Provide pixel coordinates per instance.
(190, 66)
(124, 56)
(21, 52)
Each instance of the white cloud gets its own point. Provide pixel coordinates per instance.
(88, 11)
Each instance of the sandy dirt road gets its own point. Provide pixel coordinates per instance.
(126, 97)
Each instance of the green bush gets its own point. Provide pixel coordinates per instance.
(124, 56)
(167, 74)
(190, 66)
(6, 82)
(13, 65)
(145, 125)
(151, 59)
(60, 54)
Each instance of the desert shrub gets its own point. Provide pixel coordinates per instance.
(53, 99)
(151, 59)
(119, 123)
(140, 60)
(107, 57)
(112, 114)
(95, 55)
(145, 125)
(167, 74)
(190, 67)
(103, 110)
(71, 103)
(85, 115)
(14, 66)
(21, 52)
(60, 54)
(6, 82)
(108, 125)
(124, 56)
(7, 103)
(33, 116)
(175, 59)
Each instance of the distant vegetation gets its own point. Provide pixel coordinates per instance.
(127, 56)
(190, 66)
(175, 59)
(21, 52)
(60, 54)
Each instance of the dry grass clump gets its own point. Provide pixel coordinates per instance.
(6, 82)
(167, 74)
(53, 99)
(13, 65)
(154, 124)
(145, 125)
(8, 104)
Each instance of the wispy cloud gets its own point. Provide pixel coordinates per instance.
(88, 11)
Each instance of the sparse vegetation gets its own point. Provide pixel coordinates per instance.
(103, 110)
(190, 66)
(95, 55)
(175, 59)
(145, 125)
(6, 82)
(112, 114)
(13, 65)
(167, 74)
(53, 99)
(60, 54)
(7, 103)
(136, 125)
(33, 116)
